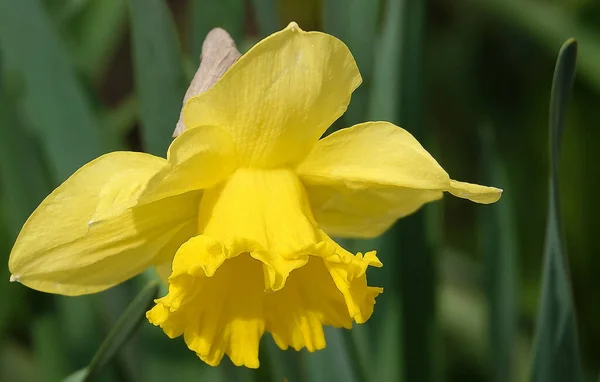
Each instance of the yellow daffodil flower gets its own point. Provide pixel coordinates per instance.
(238, 218)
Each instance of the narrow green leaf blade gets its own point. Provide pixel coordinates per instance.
(498, 233)
(355, 23)
(49, 348)
(406, 250)
(332, 363)
(125, 327)
(17, 364)
(95, 34)
(411, 252)
(384, 98)
(282, 364)
(52, 99)
(121, 120)
(24, 182)
(556, 355)
(78, 376)
(384, 94)
(158, 72)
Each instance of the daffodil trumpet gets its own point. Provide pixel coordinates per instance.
(238, 219)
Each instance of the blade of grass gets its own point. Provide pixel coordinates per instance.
(333, 363)
(16, 364)
(121, 332)
(48, 348)
(23, 177)
(95, 34)
(52, 99)
(77, 314)
(355, 23)
(415, 246)
(282, 365)
(462, 306)
(121, 120)
(206, 15)
(24, 183)
(125, 327)
(556, 354)
(395, 96)
(64, 11)
(389, 360)
(12, 297)
(384, 98)
(498, 233)
(78, 376)
(107, 307)
(383, 101)
(158, 72)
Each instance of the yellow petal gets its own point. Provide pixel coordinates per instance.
(349, 275)
(89, 235)
(197, 159)
(280, 97)
(474, 192)
(227, 312)
(360, 180)
(343, 210)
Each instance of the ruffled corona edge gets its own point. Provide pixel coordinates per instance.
(223, 297)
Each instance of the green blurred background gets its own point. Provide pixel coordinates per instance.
(470, 78)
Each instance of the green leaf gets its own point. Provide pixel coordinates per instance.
(121, 120)
(556, 355)
(16, 364)
(158, 72)
(96, 33)
(355, 23)
(23, 177)
(333, 363)
(207, 14)
(406, 250)
(384, 94)
(82, 336)
(498, 233)
(417, 233)
(64, 11)
(124, 328)
(50, 95)
(389, 358)
(49, 348)
(78, 376)
(384, 98)
(288, 364)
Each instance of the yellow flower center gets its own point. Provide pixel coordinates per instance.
(265, 213)
(260, 263)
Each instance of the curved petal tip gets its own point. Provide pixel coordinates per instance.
(293, 26)
(475, 192)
